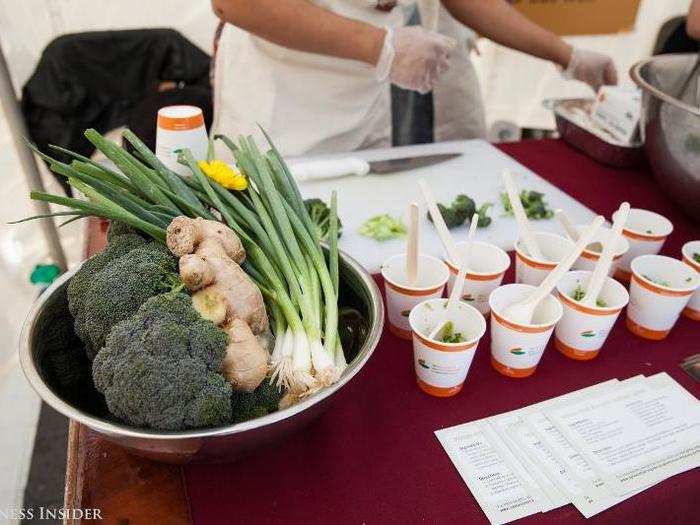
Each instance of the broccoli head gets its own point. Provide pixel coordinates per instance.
(122, 286)
(464, 207)
(81, 281)
(160, 367)
(117, 228)
(449, 215)
(260, 402)
(320, 214)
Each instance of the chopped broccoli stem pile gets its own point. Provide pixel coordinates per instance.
(320, 214)
(579, 293)
(448, 334)
(535, 206)
(383, 228)
(462, 210)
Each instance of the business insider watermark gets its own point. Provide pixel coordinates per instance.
(50, 513)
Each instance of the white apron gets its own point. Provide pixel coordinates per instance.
(313, 104)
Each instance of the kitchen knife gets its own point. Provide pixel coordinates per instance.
(332, 168)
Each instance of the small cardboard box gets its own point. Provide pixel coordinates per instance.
(617, 110)
(581, 17)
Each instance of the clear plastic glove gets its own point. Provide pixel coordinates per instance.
(595, 69)
(414, 58)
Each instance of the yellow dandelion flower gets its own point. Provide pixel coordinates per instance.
(224, 174)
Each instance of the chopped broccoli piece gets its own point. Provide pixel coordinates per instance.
(696, 257)
(160, 367)
(484, 220)
(464, 207)
(260, 402)
(382, 228)
(448, 334)
(654, 280)
(320, 215)
(121, 287)
(535, 206)
(580, 293)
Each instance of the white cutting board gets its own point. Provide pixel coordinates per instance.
(476, 173)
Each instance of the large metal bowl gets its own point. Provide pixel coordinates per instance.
(48, 318)
(670, 125)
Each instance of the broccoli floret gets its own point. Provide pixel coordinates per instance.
(80, 283)
(320, 214)
(122, 286)
(160, 367)
(464, 207)
(450, 216)
(117, 228)
(484, 220)
(249, 405)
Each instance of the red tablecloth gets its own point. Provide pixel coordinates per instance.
(373, 458)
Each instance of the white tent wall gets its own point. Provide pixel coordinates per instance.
(514, 85)
(29, 25)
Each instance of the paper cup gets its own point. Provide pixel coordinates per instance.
(582, 330)
(516, 349)
(401, 298)
(589, 258)
(441, 368)
(692, 310)
(660, 289)
(529, 270)
(180, 127)
(646, 232)
(488, 263)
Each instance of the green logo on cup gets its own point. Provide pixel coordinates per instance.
(422, 363)
(588, 333)
(406, 313)
(517, 351)
(467, 297)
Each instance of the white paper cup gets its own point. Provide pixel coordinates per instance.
(589, 258)
(660, 289)
(529, 270)
(180, 127)
(646, 232)
(441, 368)
(487, 265)
(516, 348)
(582, 330)
(692, 310)
(401, 298)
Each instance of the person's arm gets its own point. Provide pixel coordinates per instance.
(502, 23)
(693, 22)
(303, 26)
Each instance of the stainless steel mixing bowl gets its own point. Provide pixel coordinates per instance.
(47, 321)
(670, 125)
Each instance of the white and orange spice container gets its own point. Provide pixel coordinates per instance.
(487, 266)
(532, 271)
(589, 258)
(441, 368)
(660, 289)
(180, 127)
(583, 329)
(646, 232)
(516, 349)
(402, 297)
(691, 250)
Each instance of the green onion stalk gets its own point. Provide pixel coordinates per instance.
(284, 257)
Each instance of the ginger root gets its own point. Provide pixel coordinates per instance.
(210, 254)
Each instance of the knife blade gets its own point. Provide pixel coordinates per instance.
(304, 171)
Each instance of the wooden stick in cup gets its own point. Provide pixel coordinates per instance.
(520, 218)
(522, 311)
(458, 287)
(448, 242)
(564, 220)
(412, 245)
(600, 272)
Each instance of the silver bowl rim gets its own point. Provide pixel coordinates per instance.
(110, 428)
(636, 75)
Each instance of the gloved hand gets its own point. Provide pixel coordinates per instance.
(595, 69)
(414, 58)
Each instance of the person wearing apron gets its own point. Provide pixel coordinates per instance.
(316, 74)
